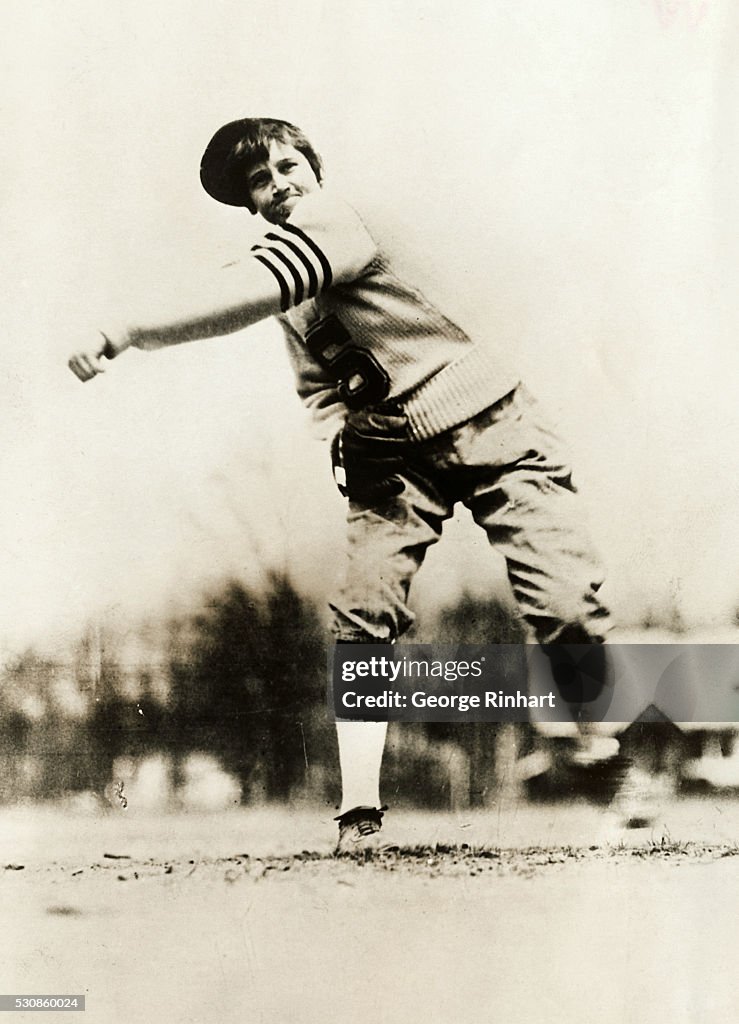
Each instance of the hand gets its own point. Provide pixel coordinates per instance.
(368, 454)
(87, 363)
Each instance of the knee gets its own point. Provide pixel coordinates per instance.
(381, 620)
(569, 618)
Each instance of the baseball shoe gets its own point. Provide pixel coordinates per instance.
(359, 833)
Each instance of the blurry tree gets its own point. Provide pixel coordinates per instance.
(37, 731)
(15, 723)
(99, 678)
(247, 677)
(124, 716)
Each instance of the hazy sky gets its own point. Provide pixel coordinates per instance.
(559, 176)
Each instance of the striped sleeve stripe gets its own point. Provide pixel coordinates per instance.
(309, 269)
(288, 262)
(312, 248)
(299, 265)
(285, 297)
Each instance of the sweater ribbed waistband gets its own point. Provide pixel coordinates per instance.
(455, 394)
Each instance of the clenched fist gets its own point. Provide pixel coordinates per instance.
(87, 363)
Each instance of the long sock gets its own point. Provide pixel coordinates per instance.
(360, 754)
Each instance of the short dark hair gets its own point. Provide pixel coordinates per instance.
(238, 146)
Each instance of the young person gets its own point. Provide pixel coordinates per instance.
(421, 416)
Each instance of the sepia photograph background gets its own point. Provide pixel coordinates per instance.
(560, 178)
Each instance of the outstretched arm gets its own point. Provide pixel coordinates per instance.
(324, 243)
(246, 295)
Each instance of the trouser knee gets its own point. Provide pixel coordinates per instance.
(379, 623)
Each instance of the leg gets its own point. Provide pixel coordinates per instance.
(533, 515)
(386, 548)
(360, 757)
(520, 490)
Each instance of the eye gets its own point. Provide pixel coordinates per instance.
(258, 181)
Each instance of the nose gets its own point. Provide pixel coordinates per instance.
(279, 183)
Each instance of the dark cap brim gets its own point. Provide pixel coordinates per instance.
(217, 169)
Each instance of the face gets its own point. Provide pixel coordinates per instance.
(277, 183)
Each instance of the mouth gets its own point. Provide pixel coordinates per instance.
(280, 204)
(280, 211)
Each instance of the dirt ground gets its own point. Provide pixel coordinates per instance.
(517, 915)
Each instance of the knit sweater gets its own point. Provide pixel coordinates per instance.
(344, 312)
